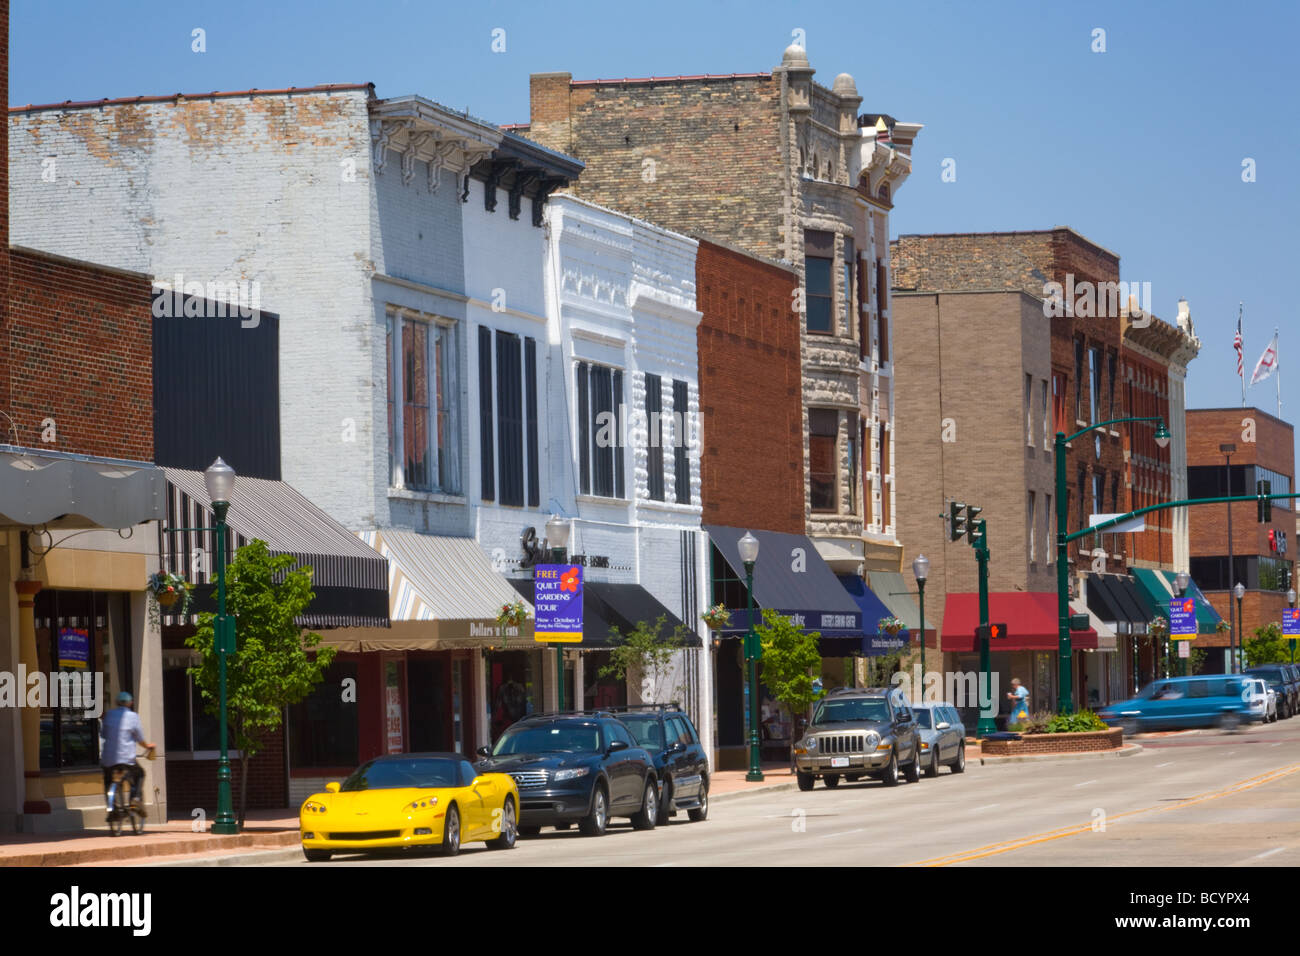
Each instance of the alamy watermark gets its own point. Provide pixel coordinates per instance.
(74, 690)
(962, 689)
(1085, 299)
(210, 300)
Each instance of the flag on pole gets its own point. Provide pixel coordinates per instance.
(1236, 344)
(1267, 363)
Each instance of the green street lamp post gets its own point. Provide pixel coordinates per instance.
(1182, 580)
(557, 536)
(921, 569)
(748, 547)
(1065, 673)
(1238, 592)
(219, 480)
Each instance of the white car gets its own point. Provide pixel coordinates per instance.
(1261, 700)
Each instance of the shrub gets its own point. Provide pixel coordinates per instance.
(1035, 724)
(1085, 721)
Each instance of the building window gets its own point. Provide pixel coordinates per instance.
(423, 360)
(851, 433)
(823, 430)
(1060, 403)
(1095, 371)
(882, 303)
(1049, 540)
(600, 440)
(867, 517)
(1111, 363)
(885, 483)
(1029, 409)
(1033, 526)
(681, 449)
(323, 728)
(508, 446)
(510, 419)
(848, 285)
(818, 298)
(1047, 429)
(1078, 381)
(654, 439)
(487, 458)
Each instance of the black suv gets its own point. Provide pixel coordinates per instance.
(1282, 679)
(576, 768)
(667, 734)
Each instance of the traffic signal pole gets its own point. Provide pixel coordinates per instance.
(986, 724)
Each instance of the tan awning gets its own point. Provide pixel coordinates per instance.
(1106, 640)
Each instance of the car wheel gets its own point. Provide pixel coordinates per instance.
(530, 830)
(451, 832)
(806, 780)
(594, 823)
(1129, 727)
(1229, 721)
(932, 768)
(665, 804)
(702, 811)
(646, 817)
(509, 830)
(832, 780)
(316, 856)
(960, 765)
(890, 774)
(912, 772)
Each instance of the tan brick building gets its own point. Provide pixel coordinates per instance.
(1264, 449)
(787, 169)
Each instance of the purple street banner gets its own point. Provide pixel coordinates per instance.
(74, 647)
(1291, 622)
(557, 600)
(1182, 618)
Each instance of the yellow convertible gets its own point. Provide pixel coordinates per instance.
(405, 800)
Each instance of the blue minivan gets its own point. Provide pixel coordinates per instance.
(1178, 703)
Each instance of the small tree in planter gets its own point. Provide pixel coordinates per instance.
(790, 665)
(647, 656)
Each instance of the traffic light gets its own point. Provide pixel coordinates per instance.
(957, 526)
(1265, 507)
(975, 528)
(1272, 540)
(993, 632)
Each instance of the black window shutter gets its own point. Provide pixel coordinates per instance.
(654, 440)
(617, 450)
(681, 456)
(510, 427)
(530, 386)
(488, 484)
(584, 431)
(605, 432)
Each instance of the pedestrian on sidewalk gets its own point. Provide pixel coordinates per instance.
(120, 731)
(1019, 698)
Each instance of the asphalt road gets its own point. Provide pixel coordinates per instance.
(1204, 798)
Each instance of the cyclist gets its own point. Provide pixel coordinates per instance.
(120, 731)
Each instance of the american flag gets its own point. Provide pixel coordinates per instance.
(1236, 344)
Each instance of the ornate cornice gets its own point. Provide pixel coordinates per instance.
(420, 130)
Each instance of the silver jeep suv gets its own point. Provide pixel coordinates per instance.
(859, 732)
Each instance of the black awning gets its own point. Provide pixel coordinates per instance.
(1103, 602)
(349, 578)
(1123, 606)
(606, 606)
(791, 578)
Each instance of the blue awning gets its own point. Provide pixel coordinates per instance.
(874, 642)
(791, 578)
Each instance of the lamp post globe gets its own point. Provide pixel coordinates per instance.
(1163, 436)
(219, 479)
(557, 532)
(748, 547)
(1182, 580)
(1290, 597)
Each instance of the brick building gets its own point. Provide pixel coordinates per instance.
(1263, 553)
(786, 169)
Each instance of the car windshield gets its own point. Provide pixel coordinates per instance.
(843, 711)
(646, 730)
(569, 737)
(922, 717)
(419, 772)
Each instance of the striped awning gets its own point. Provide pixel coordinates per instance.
(349, 579)
(442, 593)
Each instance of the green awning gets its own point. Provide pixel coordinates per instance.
(1160, 588)
(896, 595)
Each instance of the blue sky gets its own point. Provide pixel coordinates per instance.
(1140, 148)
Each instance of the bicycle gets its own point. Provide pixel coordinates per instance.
(125, 805)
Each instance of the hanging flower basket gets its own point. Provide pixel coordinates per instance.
(716, 618)
(1159, 627)
(890, 625)
(511, 615)
(167, 590)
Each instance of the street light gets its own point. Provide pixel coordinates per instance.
(557, 537)
(1239, 592)
(1065, 673)
(1181, 580)
(219, 480)
(748, 547)
(921, 569)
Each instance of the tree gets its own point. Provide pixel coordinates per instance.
(791, 662)
(646, 655)
(274, 665)
(1268, 646)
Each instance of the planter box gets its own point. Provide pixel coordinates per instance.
(1093, 740)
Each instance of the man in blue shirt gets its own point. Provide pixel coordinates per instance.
(120, 731)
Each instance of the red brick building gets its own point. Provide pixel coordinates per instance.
(1263, 554)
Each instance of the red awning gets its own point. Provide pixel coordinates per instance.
(1030, 617)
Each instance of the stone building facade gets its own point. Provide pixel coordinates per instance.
(787, 169)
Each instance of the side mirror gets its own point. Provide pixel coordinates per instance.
(616, 745)
(677, 748)
(483, 752)
(331, 788)
(942, 725)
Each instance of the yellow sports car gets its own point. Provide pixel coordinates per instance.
(404, 800)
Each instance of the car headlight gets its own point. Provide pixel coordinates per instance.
(572, 773)
(311, 806)
(425, 804)
(873, 738)
(811, 743)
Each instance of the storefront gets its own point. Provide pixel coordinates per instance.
(791, 578)
(1161, 587)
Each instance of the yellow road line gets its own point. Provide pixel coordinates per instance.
(1006, 846)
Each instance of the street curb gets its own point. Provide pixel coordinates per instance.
(236, 859)
(766, 788)
(1128, 750)
(128, 851)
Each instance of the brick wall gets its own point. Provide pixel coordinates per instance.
(1148, 479)
(193, 783)
(695, 155)
(752, 422)
(79, 347)
(1054, 743)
